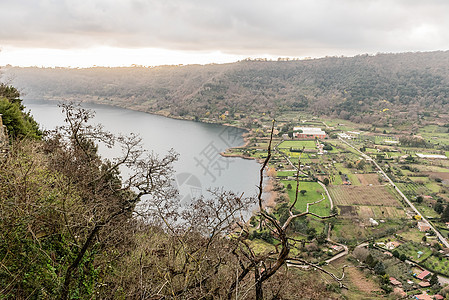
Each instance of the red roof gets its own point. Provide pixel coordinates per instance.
(423, 297)
(424, 284)
(394, 281)
(423, 275)
(438, 297)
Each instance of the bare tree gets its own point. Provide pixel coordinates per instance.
(266, 265)
(106, 202)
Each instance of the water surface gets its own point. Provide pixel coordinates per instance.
(199, 166)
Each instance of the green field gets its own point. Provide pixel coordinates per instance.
(297, 144)
(352, 177)
(314, 193)
(439, 264)
(286, 173)
(411, 249)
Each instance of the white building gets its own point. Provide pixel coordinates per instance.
(309, 132)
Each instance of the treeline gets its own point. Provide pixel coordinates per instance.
(380, 89)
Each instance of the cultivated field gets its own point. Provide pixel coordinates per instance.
(367, 179)
(366, 202)
(375, 212)
(363, 195)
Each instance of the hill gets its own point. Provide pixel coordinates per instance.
(380, 89)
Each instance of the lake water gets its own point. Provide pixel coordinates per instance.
(199, 166)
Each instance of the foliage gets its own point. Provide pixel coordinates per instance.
(368, 89)
(18, 123)
(445, 214)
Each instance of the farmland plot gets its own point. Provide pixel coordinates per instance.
(367, 179)
(366, 202)
(363, 195)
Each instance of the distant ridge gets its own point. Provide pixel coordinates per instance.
(380, 89)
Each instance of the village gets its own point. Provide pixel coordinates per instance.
(390, 196)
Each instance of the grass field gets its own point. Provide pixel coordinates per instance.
(352, 177)
(413, 235)
(298, 144)
(314, 193)
(411, 251)
(434, 263)
(286, 173)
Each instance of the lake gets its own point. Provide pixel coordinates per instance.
(199, 167)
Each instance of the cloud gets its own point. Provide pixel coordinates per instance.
(289, 27)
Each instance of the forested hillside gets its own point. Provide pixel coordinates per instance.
(380, 89)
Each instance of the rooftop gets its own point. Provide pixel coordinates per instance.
(310, 130)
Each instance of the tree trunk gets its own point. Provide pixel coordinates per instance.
(259, 290)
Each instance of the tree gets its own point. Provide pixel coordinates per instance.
(439, 208)
(370, 261)
(81, 224)
(272, 172)
(303, 192)
(326, 181)
(379, 268)
(71, 210)
(434, 279)
(445, 214)
(289, 186)
(419, 199)
(265, 266)
(18, 123)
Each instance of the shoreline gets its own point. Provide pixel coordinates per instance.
(168, 115)
(268, 189)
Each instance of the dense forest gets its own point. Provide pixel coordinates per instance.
(380, 89)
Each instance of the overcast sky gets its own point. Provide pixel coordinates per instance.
(152, 32)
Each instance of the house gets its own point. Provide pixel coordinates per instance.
(424, 284)
(395, 282)
(438, 297)
(309, 133)
(423, 297)
(423, 275)
(337, 248)
(423, 226)
(392, 245)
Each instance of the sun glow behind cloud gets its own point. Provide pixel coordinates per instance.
(109, 57)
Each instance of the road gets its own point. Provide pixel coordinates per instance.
(409, 203)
